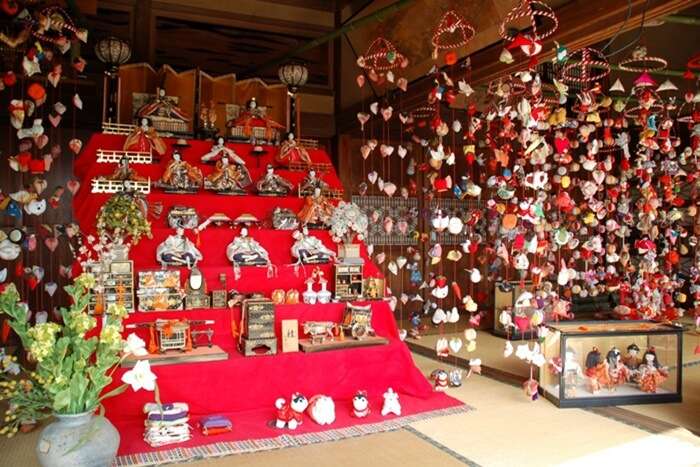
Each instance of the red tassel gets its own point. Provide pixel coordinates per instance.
(5, 331)
(533, 62)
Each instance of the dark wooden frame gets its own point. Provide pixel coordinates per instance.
(563, 402)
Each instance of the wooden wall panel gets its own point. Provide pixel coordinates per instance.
(181, 85)
(219, 91)
(134, 77)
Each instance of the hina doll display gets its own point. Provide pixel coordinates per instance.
(254, 117)
(163, 107)
(310, 183)
(180, 176)
(317, 211)
(596, 371)
(618, 373)
(291, 152)
(144, 138)
(178, 250)
(219, 151)
(245, 251)
(309, 249)
(125, 173)
(228, 178)
(651, 373)
(272, 184)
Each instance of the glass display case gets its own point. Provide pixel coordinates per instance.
(612, 363)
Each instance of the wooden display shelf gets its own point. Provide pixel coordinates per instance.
(172, 357)
(347, 343)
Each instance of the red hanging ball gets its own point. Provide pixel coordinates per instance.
(451, 58)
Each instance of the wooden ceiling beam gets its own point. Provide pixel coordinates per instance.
(582, 23)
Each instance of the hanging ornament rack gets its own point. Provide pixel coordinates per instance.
(536, 12)
(382, 56)
(640, 62)
(584, 67)
(452, 32)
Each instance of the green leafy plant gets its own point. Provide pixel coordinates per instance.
(72, 369)
(124, 213)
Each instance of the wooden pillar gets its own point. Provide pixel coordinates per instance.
(144, 46)
(336, 152)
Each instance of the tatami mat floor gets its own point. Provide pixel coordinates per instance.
(506, 429)
(685, 414)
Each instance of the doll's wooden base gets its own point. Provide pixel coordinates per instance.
(347, 343)
(172, 357)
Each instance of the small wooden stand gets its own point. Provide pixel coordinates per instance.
(347, 343)
(171, 357)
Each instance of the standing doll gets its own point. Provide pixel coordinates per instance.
(618, 373)
(651, 373)
(632, 361)
(596, 371)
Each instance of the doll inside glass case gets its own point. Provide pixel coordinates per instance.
(609, 363)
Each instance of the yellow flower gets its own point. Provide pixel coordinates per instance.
(86, 280)
(116, 310)
(111, 337)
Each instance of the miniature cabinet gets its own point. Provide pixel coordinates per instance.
(116, 280)
(159, 290)
(349, 282)
(258, 328)
(601, 363)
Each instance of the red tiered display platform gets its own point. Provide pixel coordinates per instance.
(245, 388)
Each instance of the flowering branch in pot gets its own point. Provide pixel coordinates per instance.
(72, 369)
(347, 221)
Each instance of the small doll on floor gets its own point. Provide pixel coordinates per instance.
(596, 371)
(651, 373)
(618, 373)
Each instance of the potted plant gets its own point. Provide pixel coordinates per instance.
(348, 221)
(74, 364)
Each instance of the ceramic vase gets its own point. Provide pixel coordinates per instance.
(80, 440)
(310, 295)
(324, 296)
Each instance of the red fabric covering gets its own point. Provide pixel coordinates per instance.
(245, 388)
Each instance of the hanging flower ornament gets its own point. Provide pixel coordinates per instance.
(381, 59)
(543, 24)
(347, 221)
(584, 67)
(452, 32)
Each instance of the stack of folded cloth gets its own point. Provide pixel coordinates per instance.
(215, 424)
(166, 423)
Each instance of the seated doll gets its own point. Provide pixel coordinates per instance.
(309, 249)
(178, 250)
(245, 251)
